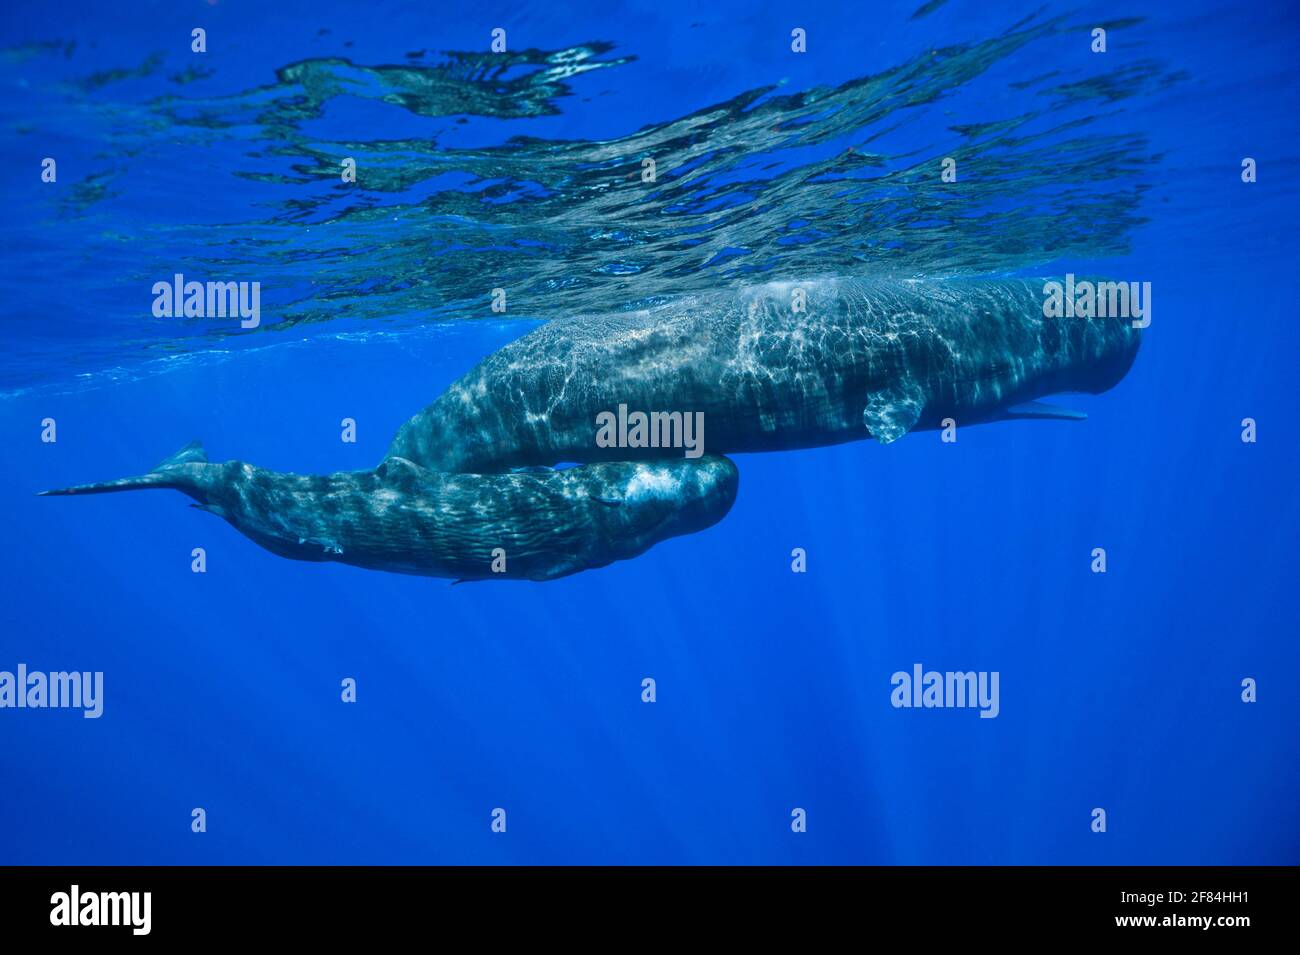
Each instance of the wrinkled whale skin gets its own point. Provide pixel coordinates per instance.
(868, 358)
(404, 519)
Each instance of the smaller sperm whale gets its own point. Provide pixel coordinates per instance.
(399, 517)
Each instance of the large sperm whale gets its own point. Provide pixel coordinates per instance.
(782, 366)
(402, 518)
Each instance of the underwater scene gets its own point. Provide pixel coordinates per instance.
(649, 433)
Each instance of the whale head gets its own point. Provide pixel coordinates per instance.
(644, 502)
(1089, 355)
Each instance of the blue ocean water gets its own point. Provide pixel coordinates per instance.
(522, 170)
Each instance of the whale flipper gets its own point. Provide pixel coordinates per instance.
(892, 412)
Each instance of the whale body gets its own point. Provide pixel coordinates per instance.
(865, 358)
(402, 518)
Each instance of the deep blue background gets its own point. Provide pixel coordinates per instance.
(1119, 691)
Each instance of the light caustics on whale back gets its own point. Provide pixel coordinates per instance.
(862, 358)
(867, 359)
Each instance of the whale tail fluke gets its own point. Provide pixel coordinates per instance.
(168, 474)
(192, 453)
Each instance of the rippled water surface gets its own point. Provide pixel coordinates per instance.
(524, 170)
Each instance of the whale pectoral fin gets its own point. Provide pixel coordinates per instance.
(892, 412)
(1041, 409)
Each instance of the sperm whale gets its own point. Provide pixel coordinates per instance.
(402, 518)
(781, 366)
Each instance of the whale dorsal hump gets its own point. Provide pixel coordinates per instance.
(192, 453)
(892, 412)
